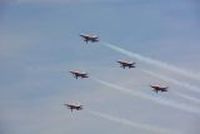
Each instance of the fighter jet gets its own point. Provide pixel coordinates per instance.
(126, 63)
(90, 37)
(74, 107)
(78, 74)
(158, 88)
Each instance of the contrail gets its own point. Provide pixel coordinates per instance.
(174, 81)
(175, 105)
(132, 124)
(153, 62)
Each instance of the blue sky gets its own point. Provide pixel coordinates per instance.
(39, 43)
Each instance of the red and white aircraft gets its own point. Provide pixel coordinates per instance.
(158, 88)
(74, 107)
(78, 74)
(90, 37)
(126, 63)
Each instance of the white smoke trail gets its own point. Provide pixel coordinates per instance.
(188, 97)
(174, 81)
(153, 62)
(175, 105)
(132, 124)
(181, 84)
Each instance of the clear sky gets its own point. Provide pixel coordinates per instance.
(40, 43)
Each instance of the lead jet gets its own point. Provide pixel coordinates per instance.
(78, 74)
(158, 88)
(74, 107)
(126, 63)
(90, 37)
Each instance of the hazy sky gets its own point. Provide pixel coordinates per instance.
(39, 44)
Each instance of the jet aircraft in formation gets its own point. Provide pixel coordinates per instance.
(123, 63)
(78, 74)
(90, 37)
(158, 88)
(74, 107)
(126, 63)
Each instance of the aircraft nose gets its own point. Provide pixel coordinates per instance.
(71, 71)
